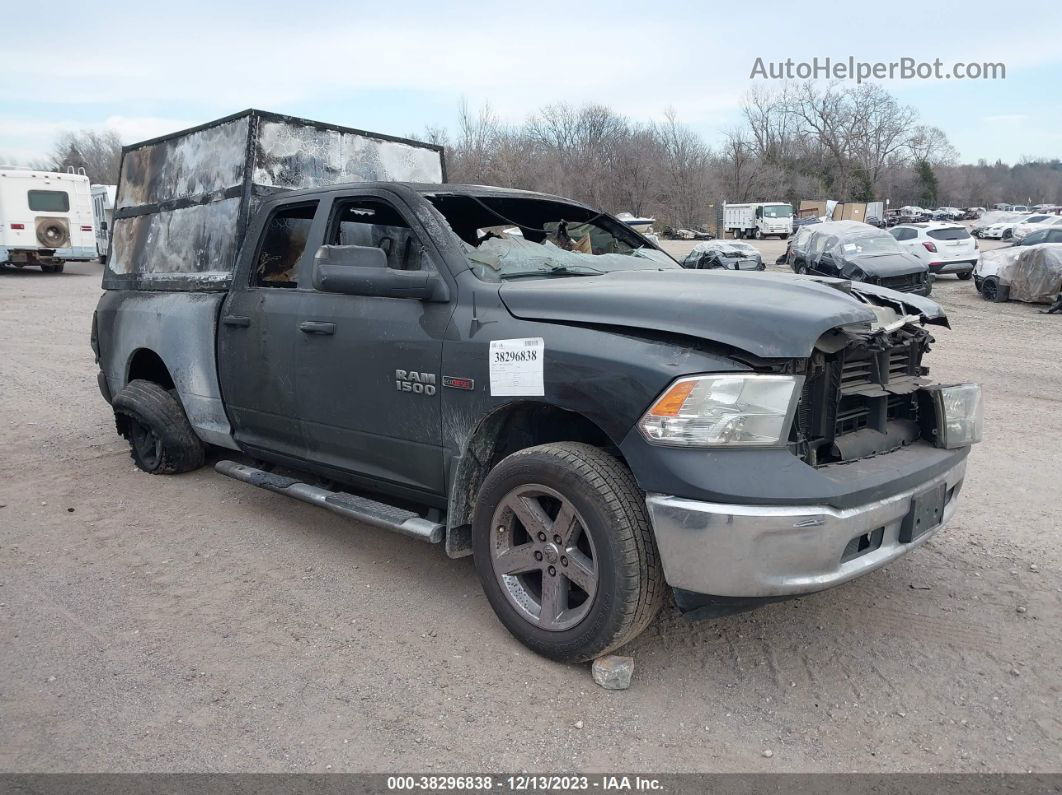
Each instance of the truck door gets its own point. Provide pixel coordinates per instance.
(257, 332)
(368, 379)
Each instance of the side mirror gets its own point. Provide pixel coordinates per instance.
(103, 226)
(362, 270)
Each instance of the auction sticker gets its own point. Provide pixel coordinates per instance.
(516, 367)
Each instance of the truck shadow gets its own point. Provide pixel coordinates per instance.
(31, 272)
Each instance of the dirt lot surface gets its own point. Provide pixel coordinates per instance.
(195, 623)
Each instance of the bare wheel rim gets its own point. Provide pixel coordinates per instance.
(543, 557)
(148, 445)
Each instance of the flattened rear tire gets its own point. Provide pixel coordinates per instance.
(605, 567)
(161, 440)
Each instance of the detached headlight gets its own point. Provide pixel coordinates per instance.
(960, 414)
(724, 411)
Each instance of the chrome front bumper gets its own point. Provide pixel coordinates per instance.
(757, 550)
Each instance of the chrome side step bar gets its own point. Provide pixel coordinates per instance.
(377, 514)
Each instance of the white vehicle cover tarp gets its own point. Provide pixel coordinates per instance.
(844, 239)
(728, 247)
(1035, 274)
(997, 217)
(992, 260)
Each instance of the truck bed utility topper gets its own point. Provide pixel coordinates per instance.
(184, 199)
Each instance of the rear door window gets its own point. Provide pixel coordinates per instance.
(49, 201)
(956, 233)
(283, 244)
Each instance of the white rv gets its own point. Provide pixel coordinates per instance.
(103, 215)
(759, 219)
(45, 219)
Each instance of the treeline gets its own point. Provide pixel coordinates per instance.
(798, 141)
(98, 152)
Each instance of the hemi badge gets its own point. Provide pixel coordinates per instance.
(458, 383)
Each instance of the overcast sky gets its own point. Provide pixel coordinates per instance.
(146, 69)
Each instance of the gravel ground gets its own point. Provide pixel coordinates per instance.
(194, 623)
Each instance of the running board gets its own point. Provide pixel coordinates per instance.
(377, 514)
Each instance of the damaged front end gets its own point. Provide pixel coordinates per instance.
(862, 394)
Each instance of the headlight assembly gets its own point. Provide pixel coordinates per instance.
(959, 413)
(733, 410)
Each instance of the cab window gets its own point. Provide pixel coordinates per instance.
(283, 244)
(374, 223)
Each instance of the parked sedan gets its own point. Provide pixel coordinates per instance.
(943, 247)
(858, 251)
(1049, 234)
(731, 256)
(1005, 229)
(1022, 229)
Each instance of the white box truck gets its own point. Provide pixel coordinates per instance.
(758, 219)
(103, 216)
(45, 219)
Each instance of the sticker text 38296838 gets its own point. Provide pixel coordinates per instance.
(516, 367)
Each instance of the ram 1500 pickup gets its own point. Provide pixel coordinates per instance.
(517, 377)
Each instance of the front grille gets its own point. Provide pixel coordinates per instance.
(904, 284)
(861, 400)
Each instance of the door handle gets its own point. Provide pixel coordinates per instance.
(317, 327)
(240, 321)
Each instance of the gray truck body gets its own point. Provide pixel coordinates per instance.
(393, 392)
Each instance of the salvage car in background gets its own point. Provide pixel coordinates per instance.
(1004, 230)
(990, 219)
(1050, 234)
(1032, 225)
(1032, 274)
(731, 256)
(860, 252)
(943, 247)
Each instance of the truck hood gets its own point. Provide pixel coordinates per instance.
(769, 315)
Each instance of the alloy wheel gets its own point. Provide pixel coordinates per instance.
(543, 557)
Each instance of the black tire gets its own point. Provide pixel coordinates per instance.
(45, 268)
(964, 275)
(59, 267)
(629, 586)
(783, 237)
(161, 440)
(990, 288)
(803, 270)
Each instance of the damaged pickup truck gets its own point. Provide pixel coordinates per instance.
(519, 378)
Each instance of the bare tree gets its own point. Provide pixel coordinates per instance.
(99, 153)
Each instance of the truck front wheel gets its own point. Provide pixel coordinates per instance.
(161, 439)
(565, 552)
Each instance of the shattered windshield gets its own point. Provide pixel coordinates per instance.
(508, 237)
